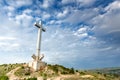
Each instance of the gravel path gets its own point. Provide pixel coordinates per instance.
(11, 74)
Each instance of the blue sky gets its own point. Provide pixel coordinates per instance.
(83, 34)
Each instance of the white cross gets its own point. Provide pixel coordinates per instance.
(40, 29)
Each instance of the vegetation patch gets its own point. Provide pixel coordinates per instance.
(53, 71)
(5, 68)
(4, 77)
(23, 71)
(61, 69)
(32, 78)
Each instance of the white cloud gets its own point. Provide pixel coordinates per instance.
(113, 6)
(62, 14)
(106, 48)
(45, 16)
(67, 1)
(9, 14)
(24, 19)
(10, 8)
(15, 45)
(80, 2)
(27, 11)
(108, 22)
(6, 38)
(81, 33)
(78, 16)
(62, 45)
(47, 3)
(7, 46)
(52, 22)
(14, 37)
(13, 58)
(82, 30)
(86, 2)
(19, 3)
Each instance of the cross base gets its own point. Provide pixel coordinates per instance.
(37, 65)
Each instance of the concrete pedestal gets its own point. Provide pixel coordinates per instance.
(37, 65)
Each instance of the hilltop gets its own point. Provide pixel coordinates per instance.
(56, 72)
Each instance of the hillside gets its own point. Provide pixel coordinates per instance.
(56, 72)
(5, 68)
(111, 71)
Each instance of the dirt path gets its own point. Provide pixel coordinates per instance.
(62, 77)
(11, 74)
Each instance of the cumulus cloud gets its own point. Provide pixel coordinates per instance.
(27, 11)
(80, 2)
(19, 3)
(81, 33)
(10, 8)
(106, 26)
(23, 19)
(86, 2)
(78, 16)
(113, 6)
(7, 38)
(46, 16)
(47, 3)
(70, 46)
(108, 22)
(14, 36)
(62, 14)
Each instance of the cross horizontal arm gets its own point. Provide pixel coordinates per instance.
(39, 26)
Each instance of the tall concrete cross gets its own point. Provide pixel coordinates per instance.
(40, 29)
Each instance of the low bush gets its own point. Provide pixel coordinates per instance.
(32, 78)
(4, 78)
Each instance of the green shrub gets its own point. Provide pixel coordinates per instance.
(72, 71)
(76, 70)
(27, 73)
(23, 71)
(22, 67)
(32, 78)
(4, 78)
(44, 76)
(82, 73)
(64, 72)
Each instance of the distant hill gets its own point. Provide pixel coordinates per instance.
(111, 71)
(56, 72)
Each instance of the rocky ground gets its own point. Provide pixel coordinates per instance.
(56, 72)
(12, 76)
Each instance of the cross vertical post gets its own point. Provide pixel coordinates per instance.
(40, 29)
